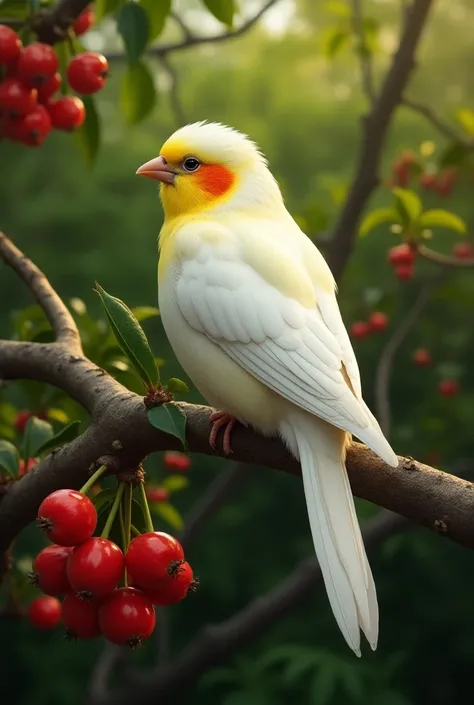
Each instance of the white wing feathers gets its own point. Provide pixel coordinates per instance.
(298, 352)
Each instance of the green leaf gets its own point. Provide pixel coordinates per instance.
(88, 135)
(377, 217)
(169, 419)
(174, 483)
(324, 684)
(132, 24)
(334, 40)
(157, 12)
(106, 7)
(177, 386)
(168, 513)
(14, 9)
(341, 9)
(439, 218)
(137, 92)
(58, 415)
(223, 10)
(130, 337)
(65, 435)
(466, 118)
(142, 313)
(408, 205)
(37, 433)
(9, 458)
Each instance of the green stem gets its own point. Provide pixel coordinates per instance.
(128, 513)
(135, 530)
(146, 508)
(122, 527)
(113, 511)
(93, 479)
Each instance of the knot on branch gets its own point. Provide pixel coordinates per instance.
(134, 476)
(157, 397)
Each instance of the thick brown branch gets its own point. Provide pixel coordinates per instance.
(376, 125)
(217, 642)
(192, 40)
(62, 322)
(52, 25)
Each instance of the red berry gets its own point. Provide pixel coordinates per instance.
(448, 387)
(22, 419)
(16, 99)
(404, 271)
(80, 617)
(23, 467)
(402, 175)
(359, 330)
(67, 113)
(157, 494)
(179, 462)
(38, 62)
(10, 45)
(127, 616)
(174, 589)
(427, 181)
(87, 72)
(95, 568)
(152, 557)
(44, 612)
(378, 321)
(34, 127)
(49, 570)
(401, 254)
(445, 181)
(68, 517)
(422, 357)
(84, 22)
(48, 88)
(463, 250)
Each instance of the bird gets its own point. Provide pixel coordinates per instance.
(249, 306)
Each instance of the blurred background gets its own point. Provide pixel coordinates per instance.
(296, 89)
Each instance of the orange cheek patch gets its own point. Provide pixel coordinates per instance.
(215, 179)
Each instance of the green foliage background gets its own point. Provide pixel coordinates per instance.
(81, 225)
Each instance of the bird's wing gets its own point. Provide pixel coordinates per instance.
(302, 353)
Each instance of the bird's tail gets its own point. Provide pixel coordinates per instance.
(321, 449)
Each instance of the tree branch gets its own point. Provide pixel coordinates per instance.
(51, 26)
(443, 127)
(384, 368)
(375, 128)
(217, 642)
(61, 320)
(444, 260)
(192, 40)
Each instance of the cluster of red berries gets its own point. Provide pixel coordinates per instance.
(30, 80)
(404, 168)
(402, 258)
(441, 183)
(376, 323)
(86, 571)
(447, 387)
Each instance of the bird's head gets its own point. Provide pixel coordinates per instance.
(207, 166)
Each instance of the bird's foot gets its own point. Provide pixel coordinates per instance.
(221, 419)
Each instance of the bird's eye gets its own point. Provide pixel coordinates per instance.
(191, 164)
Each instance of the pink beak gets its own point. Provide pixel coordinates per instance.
(158, 169)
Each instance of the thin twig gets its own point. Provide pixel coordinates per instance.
(195, 40)
(445, 260)
(375, 128)
(384, 368)
(187, 33)
(175, 98)
(62, 322)
(365, 60)
(441, 125)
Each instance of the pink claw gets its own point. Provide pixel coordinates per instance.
(220, 419)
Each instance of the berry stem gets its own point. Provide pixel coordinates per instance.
(93, 479)
(146, 508)
(128, 514)
(113, 511)
(135, 530)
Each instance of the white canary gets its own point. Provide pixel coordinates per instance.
(249, 306)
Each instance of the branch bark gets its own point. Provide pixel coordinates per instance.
(443, 127)
(375, 127)
(51, 26)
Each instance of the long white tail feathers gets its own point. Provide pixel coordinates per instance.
(334, 526)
